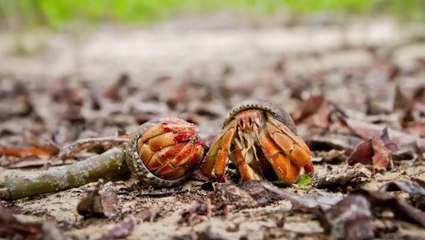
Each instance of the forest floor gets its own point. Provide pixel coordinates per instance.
(355, 90)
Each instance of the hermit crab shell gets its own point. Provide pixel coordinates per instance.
(277, 112)
(164, 152)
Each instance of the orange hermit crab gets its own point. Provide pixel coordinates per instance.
(164, 152)
(261, 139)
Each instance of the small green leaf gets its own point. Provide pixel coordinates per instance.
(304, 180)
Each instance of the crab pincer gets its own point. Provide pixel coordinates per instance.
(261, 139)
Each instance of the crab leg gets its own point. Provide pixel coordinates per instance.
(177, 166)
(215, 162)
(246, 172)
(293, 146)
(283, 167)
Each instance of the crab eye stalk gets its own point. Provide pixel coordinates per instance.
(262, 139)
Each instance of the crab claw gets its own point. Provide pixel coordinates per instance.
(164, 152)
(261, 139)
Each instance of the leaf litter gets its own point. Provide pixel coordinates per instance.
(367, 141)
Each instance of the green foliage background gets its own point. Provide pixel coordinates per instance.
(53, 13)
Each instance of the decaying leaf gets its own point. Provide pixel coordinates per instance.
(259, 193)
(102, 201)
(313, 202)
(333, 156)
(121, 230)
(400, 208)
(370, 131)
(12, 228)
(330, 142)
(230, 194)
(198, 211)
(149, 214)
(375, 151)
(350, 218)
(308, 108)
(405, 186)
(342, 177)
(415, 191)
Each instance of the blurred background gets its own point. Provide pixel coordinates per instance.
(100, 39)
(105, 60)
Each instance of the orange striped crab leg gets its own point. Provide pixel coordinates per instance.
(291, 145)
(215, 161)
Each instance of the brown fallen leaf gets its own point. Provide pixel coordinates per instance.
(114, 91)
(12, 228)
(333, 156)
(415, 190)
(400, 208)
(308, 108)
(313, 202)
(342, 177)
(231, 195)
(197, 212)
(259, 193)
(100, 202)
(412, 188)
(350, 219)
(121, 230)
(149, 214)
(375, 151)
(368, 131)
(401, 100)
(417, 128)
(330, 141)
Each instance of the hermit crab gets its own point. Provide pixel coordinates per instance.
(161, 152)
(261, 139)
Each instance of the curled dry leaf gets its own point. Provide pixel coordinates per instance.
(415, 191)
(308, 108)
(369, 131)
(308, 202)
(376, 152)
(102, 201)
(405, 186)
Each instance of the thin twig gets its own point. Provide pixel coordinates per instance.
(84, 144)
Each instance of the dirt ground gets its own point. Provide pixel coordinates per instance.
(342, 83)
